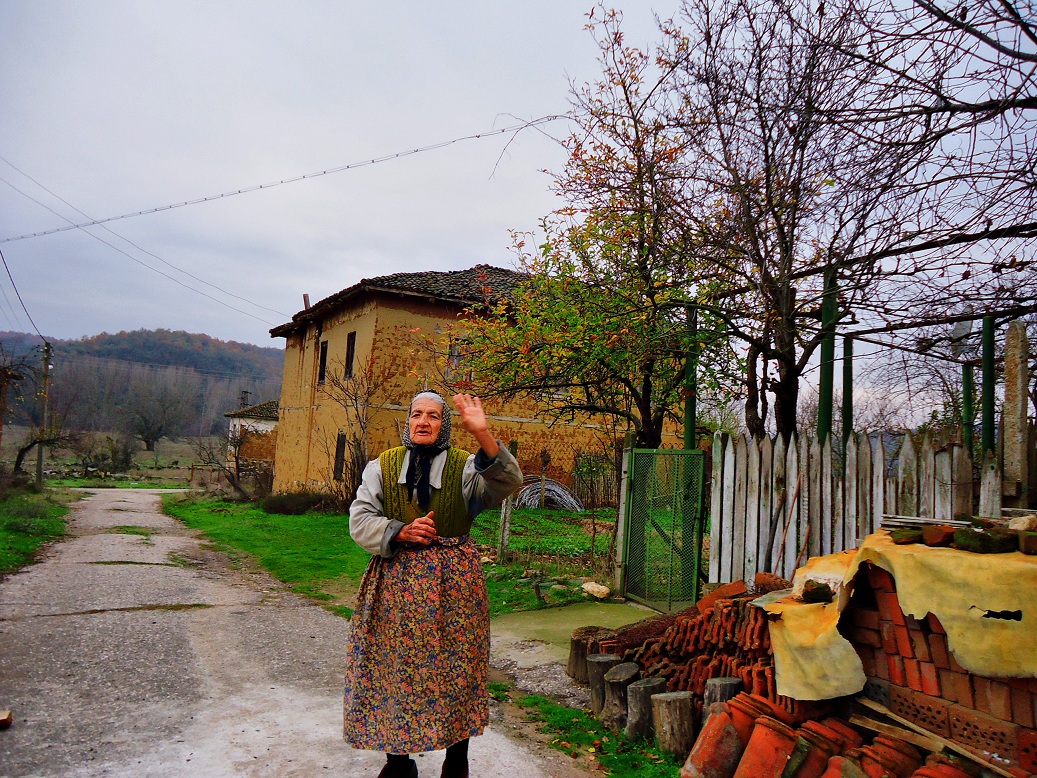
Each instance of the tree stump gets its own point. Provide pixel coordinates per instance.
(673, 717)
(614, 713)
(579, 647)
(597, 666)
(639, 706)
(719, 690)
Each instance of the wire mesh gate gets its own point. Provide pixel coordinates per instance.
(664, 525)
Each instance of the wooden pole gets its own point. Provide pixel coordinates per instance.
(674, 720)
(639, 706)
(614, 712)
(597, 666)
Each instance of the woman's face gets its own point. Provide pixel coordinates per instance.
(426, 419)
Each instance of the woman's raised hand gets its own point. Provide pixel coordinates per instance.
(473, 419)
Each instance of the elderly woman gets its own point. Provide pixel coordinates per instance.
(418, 652)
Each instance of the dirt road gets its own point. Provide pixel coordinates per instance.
(126, 654)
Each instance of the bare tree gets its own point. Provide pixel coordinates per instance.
(226, 456)
(359, 391)
(159, 404)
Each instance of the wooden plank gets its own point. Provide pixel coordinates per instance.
(926, 473)
(851, 507)
(990, 488)
(942, 479)
(727, 527)
(791, 540)
(813, 523)
(864, 504)
(779, 503)
(961, 489)
(803, 520)
(752, 510)
(907, 490)
(826, 497)
(767, 518)
(838, 520)
(878, 481)
(741, 445)
(891, 494)
(974, 756)
(716, 506)
(914, 738)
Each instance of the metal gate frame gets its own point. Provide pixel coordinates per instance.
(663, 520)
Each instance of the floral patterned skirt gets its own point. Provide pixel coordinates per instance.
(418, 652)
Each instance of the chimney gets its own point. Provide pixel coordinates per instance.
(305, 301)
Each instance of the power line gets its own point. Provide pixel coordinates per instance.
(19, 294)
(293, 179)
(145, 265)
(117, 235)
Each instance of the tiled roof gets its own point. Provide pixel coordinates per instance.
(267, 410)
(464, 287)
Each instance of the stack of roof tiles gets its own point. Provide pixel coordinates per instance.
(912, 672)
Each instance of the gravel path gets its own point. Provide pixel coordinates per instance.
(150, 655)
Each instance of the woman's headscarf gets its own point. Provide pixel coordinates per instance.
(421, 456)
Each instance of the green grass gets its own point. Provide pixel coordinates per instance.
(111, 483)
(581, 736)
(314, 554)
(27, 521)
(545, 532)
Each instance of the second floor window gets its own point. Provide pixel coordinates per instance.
(350, 354)
(322, 364)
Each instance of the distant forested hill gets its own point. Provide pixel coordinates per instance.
(146, 383)
(173, 348)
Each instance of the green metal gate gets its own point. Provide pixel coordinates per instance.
(663, 527)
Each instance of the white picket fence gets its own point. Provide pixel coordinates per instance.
(772, 505)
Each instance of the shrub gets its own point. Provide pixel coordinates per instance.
(293, 503)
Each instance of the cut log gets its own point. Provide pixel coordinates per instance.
(719, 690)
(580, 645)
(614, 713)
(639, 707)
(597, 666)
(673, 717)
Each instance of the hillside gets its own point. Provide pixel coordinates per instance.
(206, 355)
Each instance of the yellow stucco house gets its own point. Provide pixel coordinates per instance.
(354, 360)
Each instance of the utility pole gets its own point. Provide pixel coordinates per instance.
(44, 409)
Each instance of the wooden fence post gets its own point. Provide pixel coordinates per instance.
(505, 516)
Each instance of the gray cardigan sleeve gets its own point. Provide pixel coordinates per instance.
(485, 483)
(371, 530)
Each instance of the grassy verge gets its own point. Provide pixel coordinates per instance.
(581, 736)
(113, 483)
(314, 554)
(28, 519)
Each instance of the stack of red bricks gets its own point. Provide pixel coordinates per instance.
(724, 636)
(912, 672)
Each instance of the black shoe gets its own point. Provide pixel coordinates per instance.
(408, 770)
(454, 772)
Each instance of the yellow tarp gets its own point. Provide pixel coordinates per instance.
(965, 591)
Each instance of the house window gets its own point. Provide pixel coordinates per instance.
(340, 456)
(350, 353)
(322, 365)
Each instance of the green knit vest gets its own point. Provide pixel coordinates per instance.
(450, 512)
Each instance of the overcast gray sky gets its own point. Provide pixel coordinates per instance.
(118, 107)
